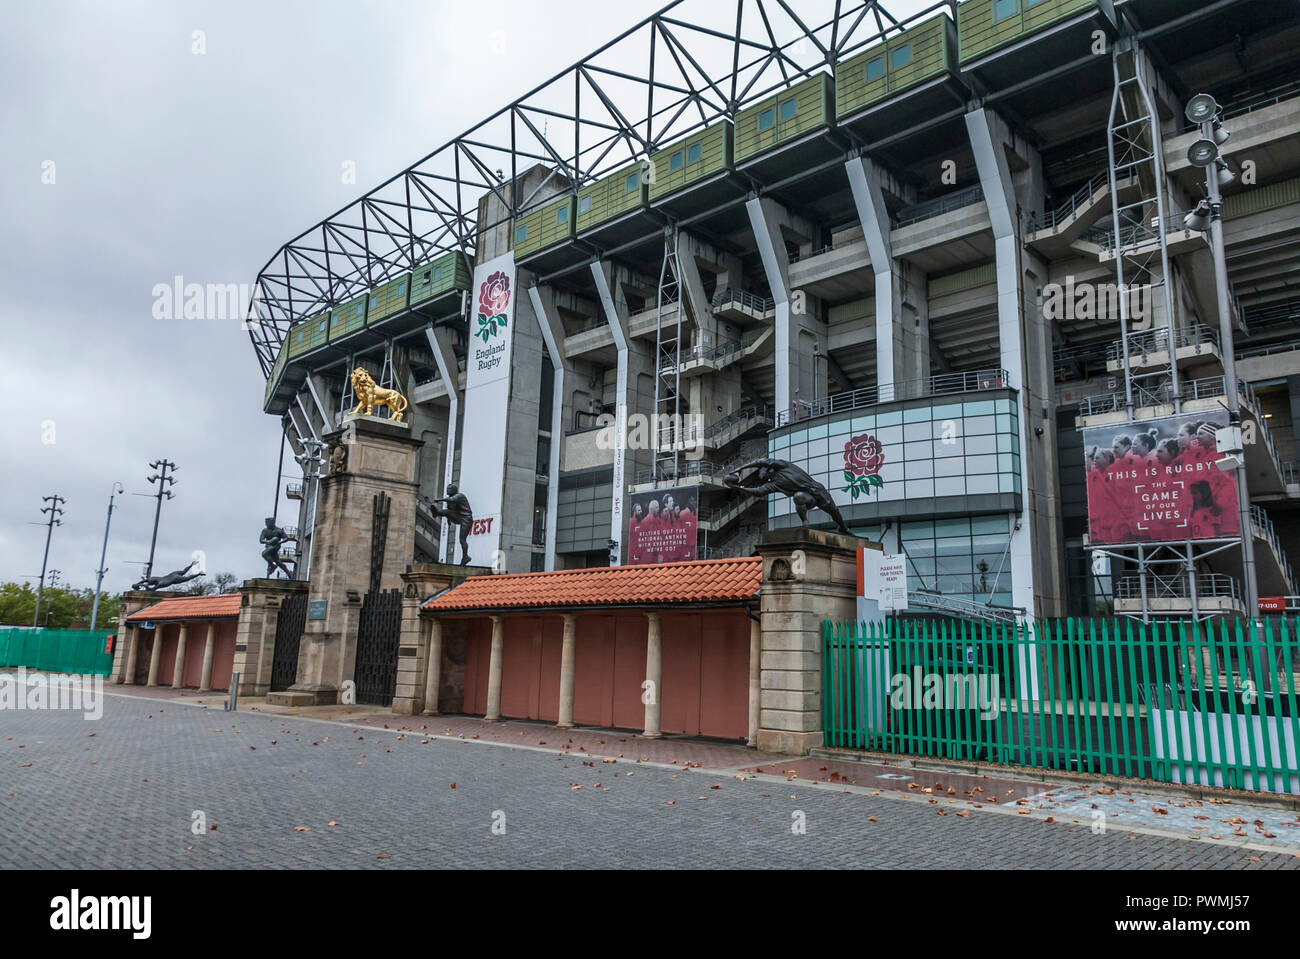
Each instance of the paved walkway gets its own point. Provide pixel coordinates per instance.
(157, 782)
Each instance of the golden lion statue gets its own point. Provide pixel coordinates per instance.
(370, 394)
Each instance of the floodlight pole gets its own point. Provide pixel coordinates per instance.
(163, 480)
(1227, 349)
(55, 512)
(99, 575)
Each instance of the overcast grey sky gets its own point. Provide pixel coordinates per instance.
(166, 162)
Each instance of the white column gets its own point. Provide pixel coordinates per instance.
(178, 671)
(755, 678)
(433, 671)
(566, 671)
(620, 409)
(494, 670)
(552, 328)
(209, 652)
(132, 654)
(776, 266)
(653, 675)
(155, 659)
(869, 199)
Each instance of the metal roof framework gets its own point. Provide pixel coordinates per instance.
(693, 63)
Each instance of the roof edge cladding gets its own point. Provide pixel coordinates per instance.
(586, 120)
(700, 583)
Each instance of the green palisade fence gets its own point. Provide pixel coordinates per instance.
(978, 34)
(1212, 704)
(785, 117)
(56, 650)
(911, 57)
(688, 161)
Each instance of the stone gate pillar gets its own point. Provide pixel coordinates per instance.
(378, 458)
(808, 576)
(259, 613)
(129, 636)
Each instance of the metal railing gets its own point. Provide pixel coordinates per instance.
(739, 422)
(1145, 342)
(945, 384)
(743, 300)
(1268, 533)
(700, 469)
(1068, 210)
(1273, 350)
(939, 206)
(1249, 103)
(1136, 235)
(1176, 586)
(1104, 697)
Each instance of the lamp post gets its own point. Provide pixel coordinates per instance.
(99, 574)
(1204, 111)
(55, 512)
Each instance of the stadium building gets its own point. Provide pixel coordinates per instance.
(951, 264)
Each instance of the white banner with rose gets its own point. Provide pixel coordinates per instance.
(487, 398)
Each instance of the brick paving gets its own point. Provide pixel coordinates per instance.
(122, 791)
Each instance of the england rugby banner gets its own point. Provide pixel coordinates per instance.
(487, 398)
(1156, 481)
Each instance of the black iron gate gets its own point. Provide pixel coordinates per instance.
(377, 641)
(288, 632)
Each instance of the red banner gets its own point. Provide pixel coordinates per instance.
(1156, 482)
(663, 526)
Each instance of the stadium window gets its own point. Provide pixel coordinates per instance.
(633, 182)
(425, 278)
(766, 120)
(562, 215)
(521, 234)
(788, 110)
(374, 303)
(675, 162)
(694, 153)
(437, 270)
(584, 204)
(324, 325)
(1034, 3)
(1004, 9)
(901, 57)
(875, 69)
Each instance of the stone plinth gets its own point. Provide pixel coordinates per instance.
(422, 582)
(381, 458)
(808, 576)
(259, 614)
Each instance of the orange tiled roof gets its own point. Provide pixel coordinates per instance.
(189, 607)
(705, 581)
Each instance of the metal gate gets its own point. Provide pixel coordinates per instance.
(377, 640)
(288, 632)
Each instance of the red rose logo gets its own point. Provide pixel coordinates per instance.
(863, 459)
(494, 295)
(493, 299)
(863, 456)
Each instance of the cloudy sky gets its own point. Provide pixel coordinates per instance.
(127, 159)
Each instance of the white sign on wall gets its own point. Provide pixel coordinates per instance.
(885, 580)
(487, 398)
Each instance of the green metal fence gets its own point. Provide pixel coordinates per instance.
(1196, 703)
(56, 650)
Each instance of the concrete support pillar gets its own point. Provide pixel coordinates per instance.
(155, 660)
(433, 671)
(494, 669)
(755, 678)
(654, 669)
(178, 671)
(209, 651)
(444, 354)
(989, 136)
(552, 328)
(618, 328)
(566, 671)
(132, 655)
(776, 264)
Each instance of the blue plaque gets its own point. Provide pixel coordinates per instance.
(316, 608)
